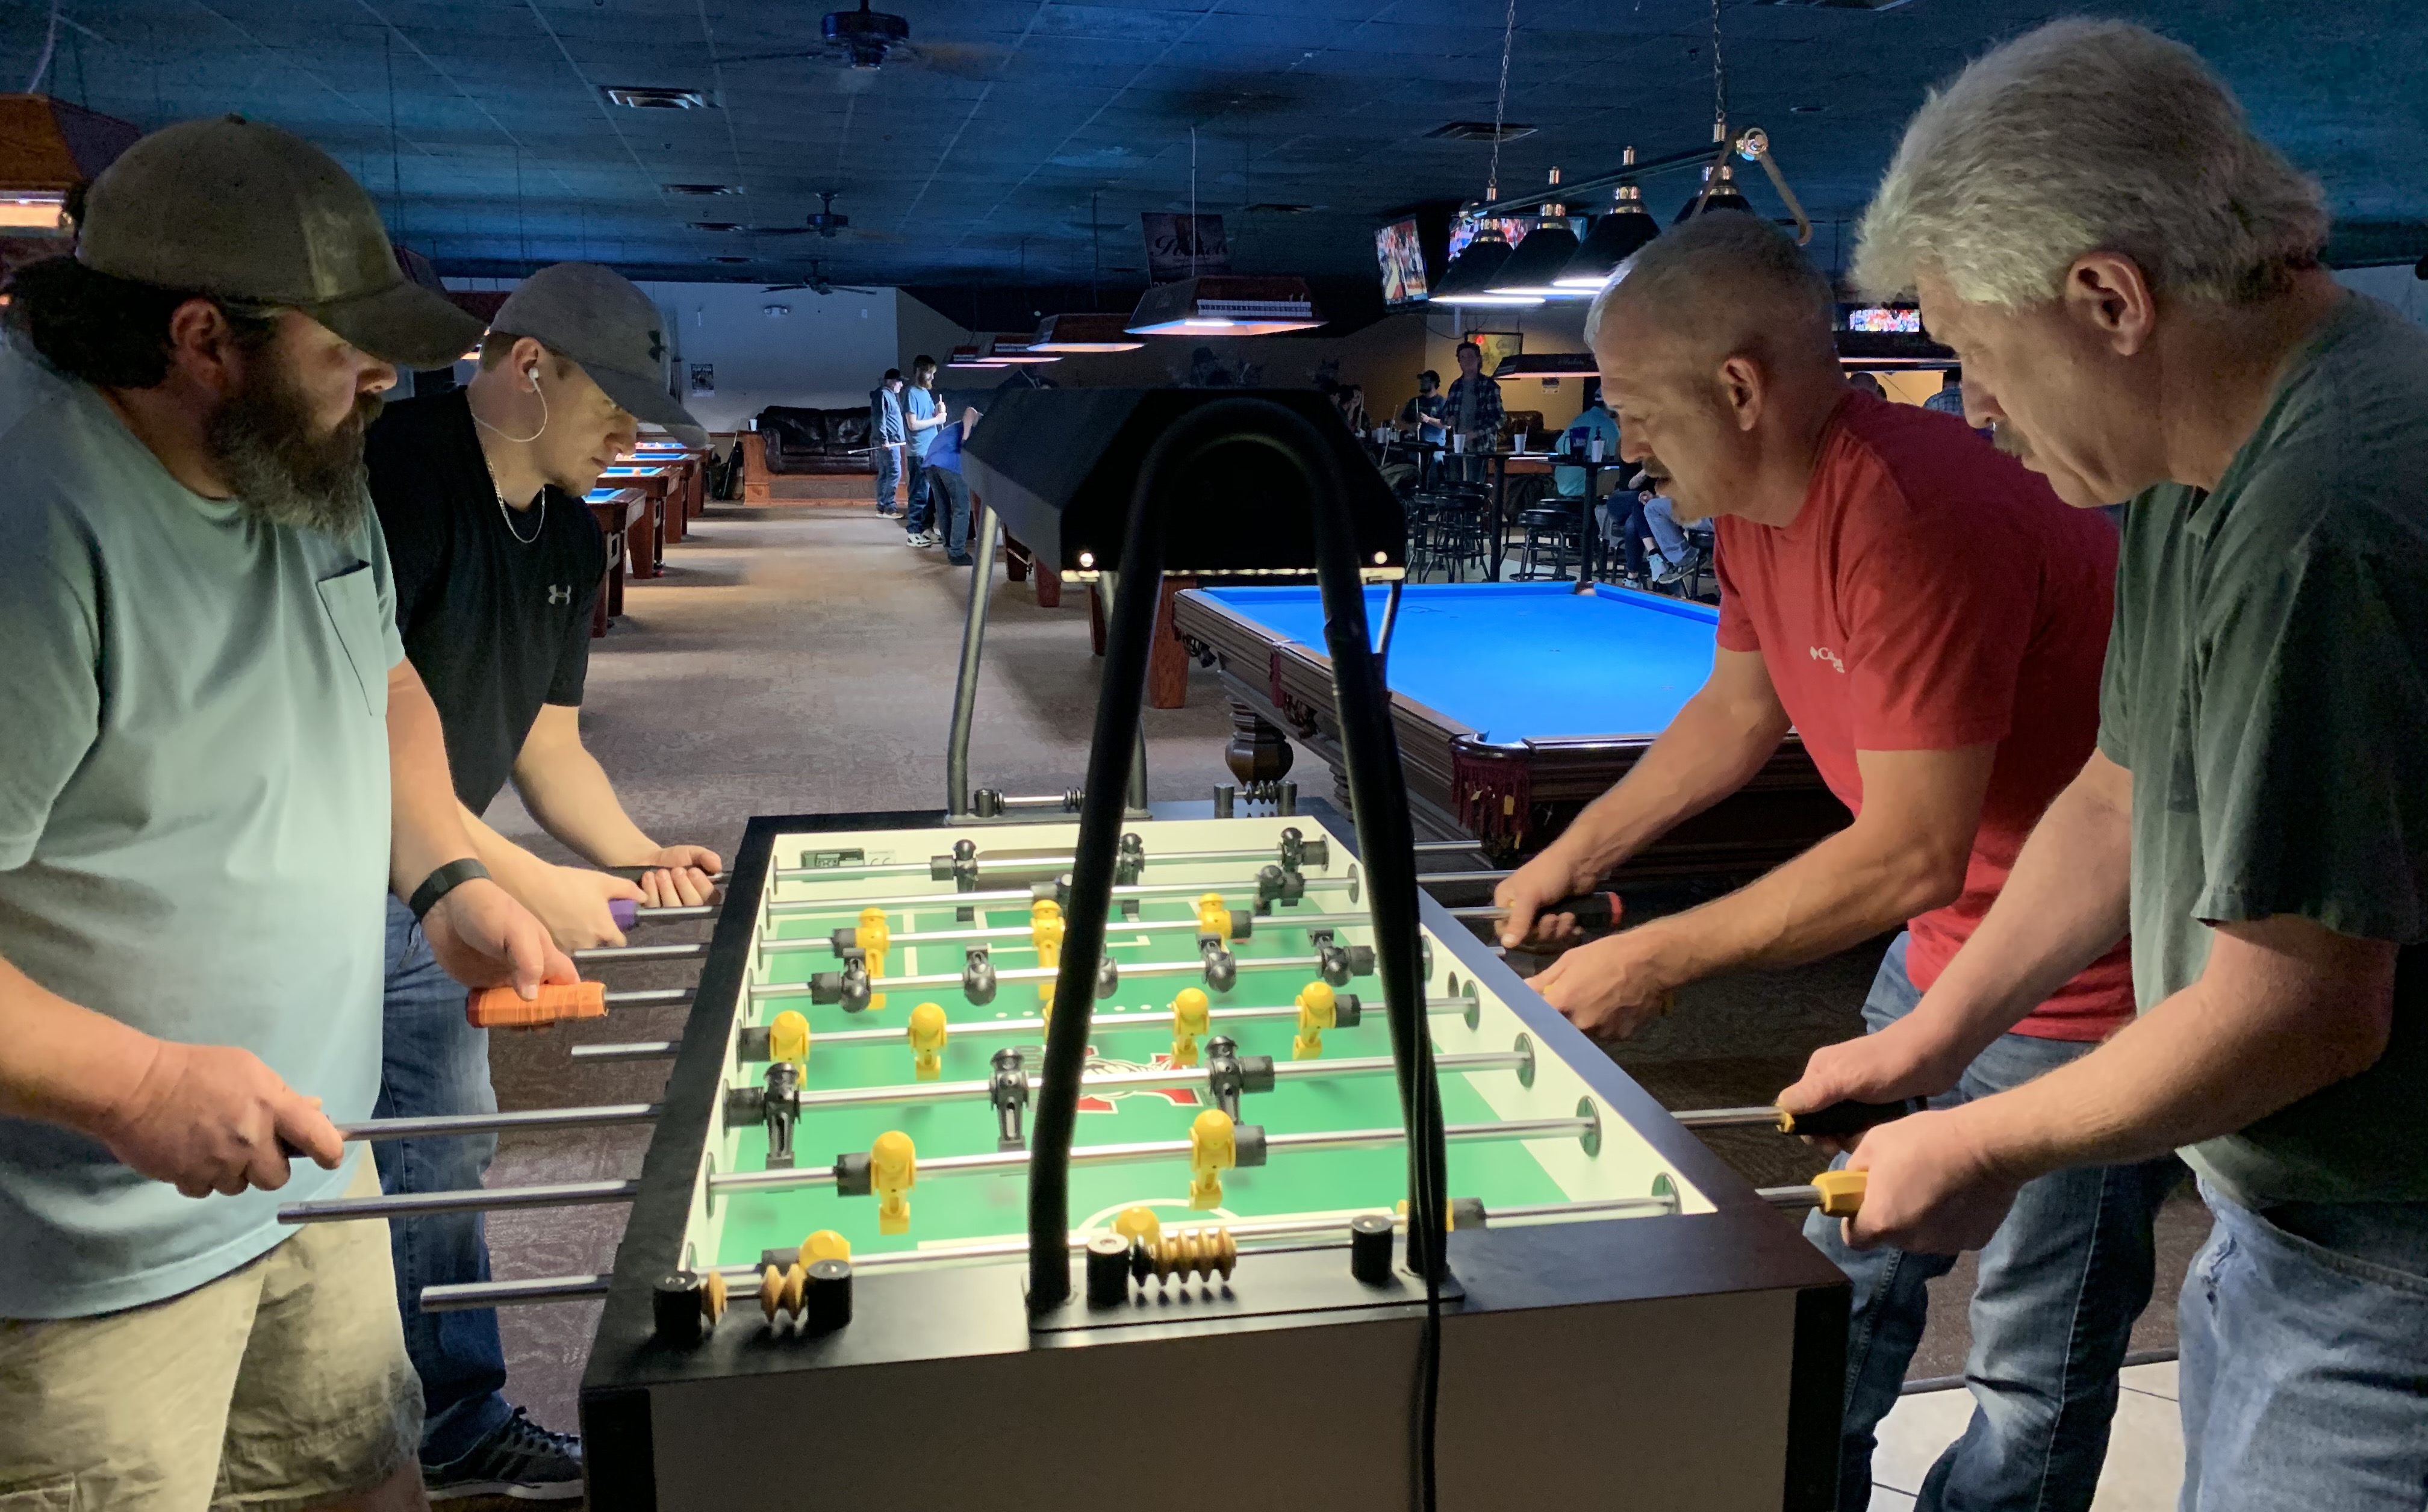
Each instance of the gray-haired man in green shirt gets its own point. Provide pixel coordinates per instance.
(2132, 281)
(215, 763)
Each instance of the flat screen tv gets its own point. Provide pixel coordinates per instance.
(1901, 320)
(1402, 256)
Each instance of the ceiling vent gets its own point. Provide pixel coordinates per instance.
(1278, 207)
(1836, 4)
(1480, 131)
(730, 259)
(715, 225)
(649, 97)
(703, 189)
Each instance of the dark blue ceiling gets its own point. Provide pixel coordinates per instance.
(481, 127)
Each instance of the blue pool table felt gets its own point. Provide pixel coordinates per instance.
(1522, 660)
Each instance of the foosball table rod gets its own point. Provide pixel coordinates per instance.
(1019, 937)
(464, 1296)
(944, 868)
(441, 1125)
(1013, 897)
(949, 980)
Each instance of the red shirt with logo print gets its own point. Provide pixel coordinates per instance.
(1933, 594)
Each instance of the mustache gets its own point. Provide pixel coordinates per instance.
(2004, 436)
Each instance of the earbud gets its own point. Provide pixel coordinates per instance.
(531, 376)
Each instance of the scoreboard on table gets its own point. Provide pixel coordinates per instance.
(819, 1300)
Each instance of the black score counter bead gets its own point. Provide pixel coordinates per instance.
(1369, 1249)
(825, 1306)
(1109, 1271)
(674, 1306)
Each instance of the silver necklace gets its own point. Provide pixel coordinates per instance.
(508, 516)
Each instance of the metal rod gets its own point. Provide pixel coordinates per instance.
(1017, 936)
(638, 997)
(1040, 973)
(1033, 861)
(988, 1028)
(965, 681)
(655, 952)
(1446, 847)
(671, 913)
(635, 1050)
(1444, 879)
(531, 1118)
(1764, 1117)
(477, 1199)
(1790, 1198)
(1150, 1150)
(798, 907)
(1098, 1082)
(1578, 188)
(462, 1296)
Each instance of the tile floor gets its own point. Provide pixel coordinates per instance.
(2146, 1450)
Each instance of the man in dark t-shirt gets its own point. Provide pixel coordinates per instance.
(498, 565)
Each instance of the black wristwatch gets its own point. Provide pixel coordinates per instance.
(442, 882)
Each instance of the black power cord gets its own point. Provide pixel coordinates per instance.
(1378, 794)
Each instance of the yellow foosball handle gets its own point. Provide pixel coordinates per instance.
(1841, 1193)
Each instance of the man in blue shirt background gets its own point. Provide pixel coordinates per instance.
(885, 436)
(922, 413)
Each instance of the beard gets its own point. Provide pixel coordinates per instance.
(287, 470)
(2004, 436)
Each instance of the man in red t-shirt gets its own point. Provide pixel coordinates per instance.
(1931, 621)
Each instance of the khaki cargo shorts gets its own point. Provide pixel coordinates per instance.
(282, 1385)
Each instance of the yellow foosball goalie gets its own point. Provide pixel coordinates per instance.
(1045, 932)
(1318, 1011)
(787, 1039)
(1213, 1148)
(927, 1033)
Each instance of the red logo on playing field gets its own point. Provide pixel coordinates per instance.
(1109, 1102)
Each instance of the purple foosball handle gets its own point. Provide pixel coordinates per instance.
(625, 911)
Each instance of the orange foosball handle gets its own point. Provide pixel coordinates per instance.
(502, 1008)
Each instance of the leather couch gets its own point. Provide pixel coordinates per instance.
(816, 440)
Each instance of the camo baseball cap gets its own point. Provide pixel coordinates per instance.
(244, 211)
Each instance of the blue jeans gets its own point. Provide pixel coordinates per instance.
(2061, 1285)
(1660, 518)
(889, 475)
(2304, 1376)
(434, 1062)
(949, 492)
(918, 512)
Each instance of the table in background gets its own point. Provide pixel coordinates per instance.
(691, 463)
(647, 536)
(1516, 705)
(614, 509)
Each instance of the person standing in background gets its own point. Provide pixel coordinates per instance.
(922, 414)
(1950, 398)
(885, 436)
(948, 489)
(1472, 409)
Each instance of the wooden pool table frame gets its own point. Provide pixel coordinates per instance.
(1514, 796)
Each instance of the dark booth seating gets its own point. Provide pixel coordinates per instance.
(816, 440)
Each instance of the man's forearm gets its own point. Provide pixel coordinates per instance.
(59, 1062)
(1847, 889)
(426, 824)
(1709, 751)
(2250, 1037)
(568, 793)
(2064, 905)
(515, 868)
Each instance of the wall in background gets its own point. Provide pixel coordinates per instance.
(826, 352)
(2397, 285)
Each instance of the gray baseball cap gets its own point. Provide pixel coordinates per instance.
(596, 318)
(245, 211)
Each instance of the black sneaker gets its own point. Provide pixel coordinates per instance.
(521, 1460)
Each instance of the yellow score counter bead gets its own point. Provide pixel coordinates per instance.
(1318, 1011)
(1191, 1019)
(1139, 1226)
(927, 1034)
(1213, 1147)
(893, 1170)
(787, 1039)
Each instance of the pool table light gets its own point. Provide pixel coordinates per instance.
(1233, 305)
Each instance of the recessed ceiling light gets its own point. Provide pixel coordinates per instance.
(703, 188)
(716, 225)
(1480, 131)
(652, 97)
(729, 259)
(1806, 110)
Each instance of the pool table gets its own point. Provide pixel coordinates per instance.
(1516, 705)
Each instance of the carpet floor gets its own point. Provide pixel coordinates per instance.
(801, 660)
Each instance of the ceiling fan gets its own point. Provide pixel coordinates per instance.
(816, 283)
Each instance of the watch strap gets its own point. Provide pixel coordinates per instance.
(443, 882)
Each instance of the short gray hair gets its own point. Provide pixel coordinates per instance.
(1728, 281)
(2087, 135)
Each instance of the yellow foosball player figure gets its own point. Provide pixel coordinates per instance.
(1045, 932)
(874, 937)
(787, 1039)
(825, 1244)
(1212, 917)
(893, 1170)
(928, 1031)
(1140, 1226)
(1318, 1011)
(1213, 1147)
(1192, 1018)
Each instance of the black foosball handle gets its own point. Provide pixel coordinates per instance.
(1592, 911)
(1841, 1119)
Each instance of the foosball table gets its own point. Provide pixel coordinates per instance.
(827, 1236)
